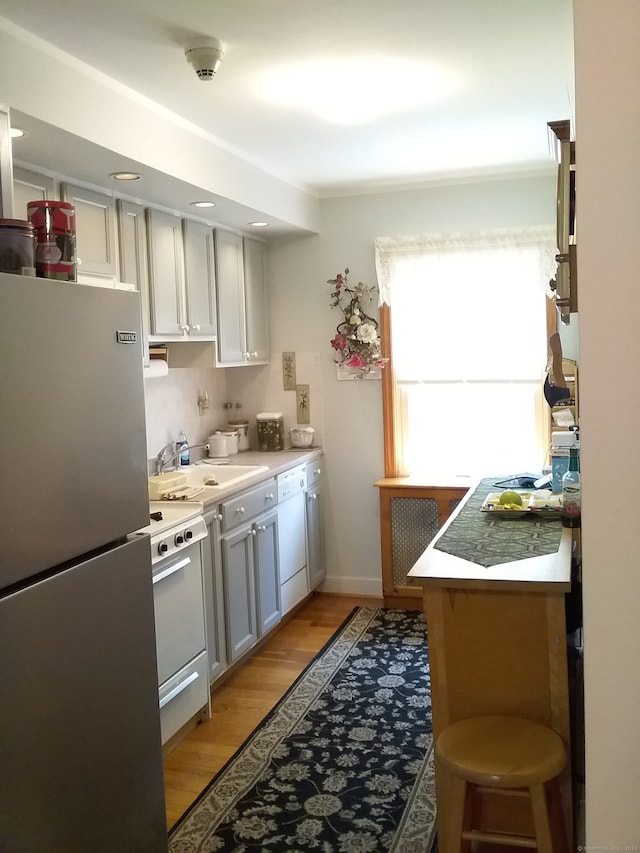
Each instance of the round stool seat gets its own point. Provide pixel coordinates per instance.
(501, 752)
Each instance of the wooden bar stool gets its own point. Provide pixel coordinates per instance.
(503, 754)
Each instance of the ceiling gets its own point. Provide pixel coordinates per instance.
(388, 93)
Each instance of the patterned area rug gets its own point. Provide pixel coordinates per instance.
(343, 763)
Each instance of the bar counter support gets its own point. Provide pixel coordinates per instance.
(497, 645)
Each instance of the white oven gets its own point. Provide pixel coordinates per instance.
(178, 598)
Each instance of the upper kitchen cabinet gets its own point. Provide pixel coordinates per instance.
(96, 245)
(134, 262)
(30, 186)
(166, 274)
(240, 282)
(199, 271)
(182, 278)
(565, 283)
(255, 278)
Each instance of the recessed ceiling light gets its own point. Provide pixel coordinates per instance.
(125, 176)
(203, 203)
(16, 132)
(259, 224)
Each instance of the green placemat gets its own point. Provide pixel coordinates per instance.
(487, 540)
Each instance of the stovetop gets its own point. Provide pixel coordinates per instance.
(172, 514)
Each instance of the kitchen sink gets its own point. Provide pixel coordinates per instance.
(197, 476)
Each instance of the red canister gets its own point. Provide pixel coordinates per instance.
(55, 227)
(17, 246)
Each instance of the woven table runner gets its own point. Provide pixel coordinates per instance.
(486, 539)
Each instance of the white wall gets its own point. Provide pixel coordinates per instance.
(608, 218)
(302, 321)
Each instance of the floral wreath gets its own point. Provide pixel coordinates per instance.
(356, 343)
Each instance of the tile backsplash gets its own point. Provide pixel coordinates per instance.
(171, 401)
(171, 404)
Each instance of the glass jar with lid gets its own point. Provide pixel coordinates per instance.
(270, 431)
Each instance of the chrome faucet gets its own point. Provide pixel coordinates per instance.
(161, 460)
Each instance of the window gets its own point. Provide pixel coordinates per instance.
(467, 337)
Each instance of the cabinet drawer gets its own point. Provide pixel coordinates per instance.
(239, 510)
(183, 695)
(314, 471)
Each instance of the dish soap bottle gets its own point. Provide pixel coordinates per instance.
(183, 446)
(572, 492)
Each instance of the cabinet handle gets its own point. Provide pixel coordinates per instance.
(253, 531)
(313, 497)
(184, 329)
(318, 471)
(170, 570)
(178, 689)
(196, 327)
(218, 516)
(245, 355)
(254, 355)
(269, 497)
(241, 510)
(262, 528)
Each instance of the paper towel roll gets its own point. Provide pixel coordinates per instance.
(157, 367)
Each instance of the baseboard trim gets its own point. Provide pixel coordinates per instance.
(371, 587)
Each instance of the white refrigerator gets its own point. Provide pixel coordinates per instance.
(80, 748)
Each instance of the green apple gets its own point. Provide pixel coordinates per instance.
(510, 498)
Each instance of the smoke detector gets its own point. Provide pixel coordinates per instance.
(205, 54)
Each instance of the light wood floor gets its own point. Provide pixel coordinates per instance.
(239, 704)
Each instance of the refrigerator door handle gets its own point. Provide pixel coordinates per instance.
(178, 689)
(171, 569)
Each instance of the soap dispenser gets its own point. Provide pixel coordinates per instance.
(183, 446)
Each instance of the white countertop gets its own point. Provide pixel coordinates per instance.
(550, 572)
(276, 462)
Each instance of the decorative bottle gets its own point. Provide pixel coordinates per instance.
(571, 492)
(183, 446)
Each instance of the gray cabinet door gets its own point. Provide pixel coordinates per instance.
(239, 592)
(255, 261)
(30, 186)
(134, 261)
(199, 278)
(267, 576)
(166, 262)
(214, 598)
(95, 231)
(230, 292)
(316, 566)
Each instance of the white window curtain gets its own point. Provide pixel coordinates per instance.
(468, 329)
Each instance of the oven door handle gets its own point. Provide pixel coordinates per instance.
(171, 569)
(178, 689)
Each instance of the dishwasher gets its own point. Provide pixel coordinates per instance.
(292, 544)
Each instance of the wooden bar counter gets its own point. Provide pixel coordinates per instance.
(496, 633)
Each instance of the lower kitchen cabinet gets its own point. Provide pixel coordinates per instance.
(264, 553)
(316, 564)
(251, 583)
(214, 597)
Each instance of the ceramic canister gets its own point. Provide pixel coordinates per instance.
(243, 433)
(231, 436)
(217, 445)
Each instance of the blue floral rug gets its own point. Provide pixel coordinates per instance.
(343, 763)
